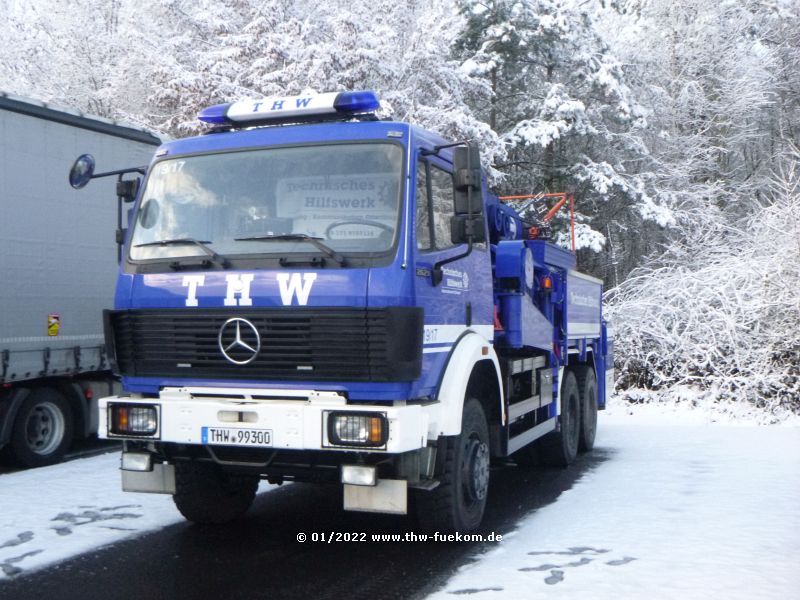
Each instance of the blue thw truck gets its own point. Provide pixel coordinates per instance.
(309, 293)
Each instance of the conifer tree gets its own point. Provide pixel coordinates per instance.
(560, 102)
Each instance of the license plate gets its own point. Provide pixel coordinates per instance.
(234, 436)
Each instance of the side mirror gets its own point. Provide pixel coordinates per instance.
(463, 229)
(467, 167)
(127, 189)
(82, 171)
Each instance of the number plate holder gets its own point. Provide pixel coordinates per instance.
(236, 436)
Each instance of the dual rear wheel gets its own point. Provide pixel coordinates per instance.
(577, 422)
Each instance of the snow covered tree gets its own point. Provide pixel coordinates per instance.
(69, 53)
(217, 52)
(717, 317)
(561, 104)
(711, 316)
(281, 48)
(720, 82)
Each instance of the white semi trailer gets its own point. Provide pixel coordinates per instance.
(57, 274)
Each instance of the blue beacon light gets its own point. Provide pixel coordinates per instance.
(356, 102)
(216, 115)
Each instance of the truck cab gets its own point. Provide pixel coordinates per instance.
(309, 293)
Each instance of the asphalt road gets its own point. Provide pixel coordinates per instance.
(80, 449)
(259, 556)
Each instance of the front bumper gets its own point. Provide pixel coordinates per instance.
(297, 419)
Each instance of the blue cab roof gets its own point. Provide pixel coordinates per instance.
(258, 137)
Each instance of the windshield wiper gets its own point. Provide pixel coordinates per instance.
(297, 237)
(214, 257)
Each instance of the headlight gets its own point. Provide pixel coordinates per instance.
(132, 419)
(357, 429)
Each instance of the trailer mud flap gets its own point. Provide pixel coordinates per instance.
(388, 496)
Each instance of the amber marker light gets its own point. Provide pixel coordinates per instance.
(376, 430)
(122, 418)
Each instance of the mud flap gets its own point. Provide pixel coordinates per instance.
(161, 480)
(388, 496)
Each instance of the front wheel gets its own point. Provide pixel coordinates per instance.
(42, 431)
(206, 494)
(458, 503)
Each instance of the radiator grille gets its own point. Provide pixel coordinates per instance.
(370, 344)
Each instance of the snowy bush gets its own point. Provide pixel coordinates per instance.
(720, 312)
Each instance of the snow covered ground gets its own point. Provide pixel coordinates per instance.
(683, 507)
(53, 513)
(677, 511)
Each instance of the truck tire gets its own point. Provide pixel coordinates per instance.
(206, 494)
(587, 387)
(458, 502)
(42, 430)
(560, 448)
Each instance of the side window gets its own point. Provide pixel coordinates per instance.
(423, 217)
(442, 194)
(435, 206)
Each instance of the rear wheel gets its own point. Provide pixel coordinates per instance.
(560, 448)
(587, 387)
(206, 494)
(458, 503)
(42, 431)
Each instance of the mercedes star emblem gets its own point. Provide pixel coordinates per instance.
(239, 341)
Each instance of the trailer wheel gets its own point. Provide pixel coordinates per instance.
(206, 494)
(587, 387)
(560, 448)
(458, 503)
(42, 430)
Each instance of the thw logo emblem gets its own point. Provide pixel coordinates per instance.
(290, 285)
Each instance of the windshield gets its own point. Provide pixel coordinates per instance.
(328, 201)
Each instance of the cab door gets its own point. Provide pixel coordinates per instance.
(462, 300)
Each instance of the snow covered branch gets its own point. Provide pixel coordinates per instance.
(720, 313)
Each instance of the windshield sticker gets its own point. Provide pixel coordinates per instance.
(340, 206)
